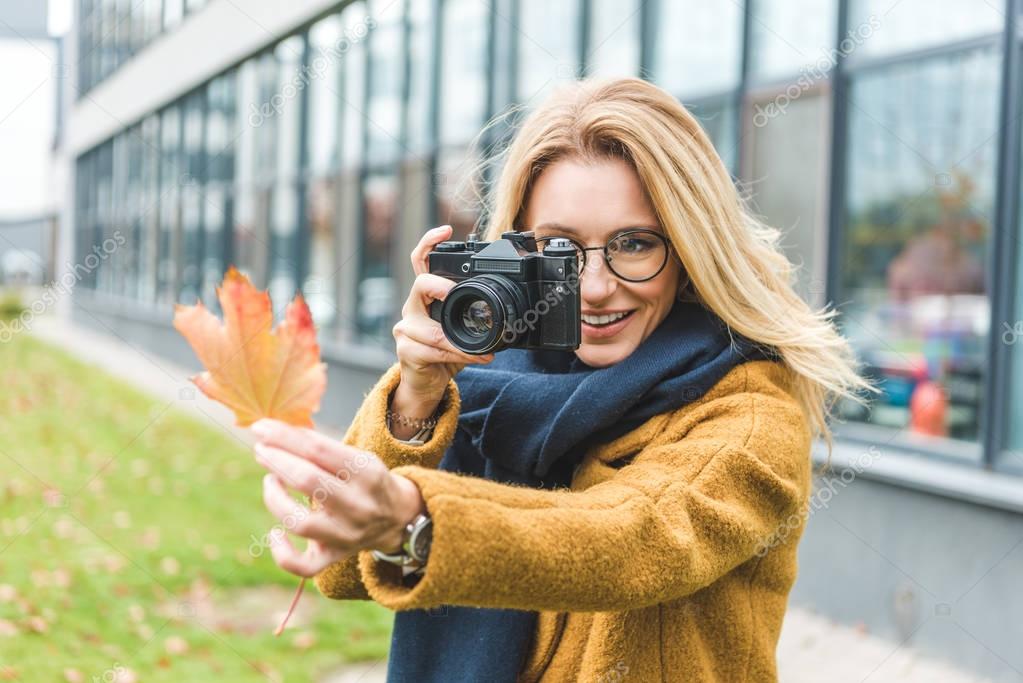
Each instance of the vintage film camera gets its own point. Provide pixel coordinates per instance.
(509, 295)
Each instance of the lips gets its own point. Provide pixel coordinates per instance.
(604, 319)
(616, 323)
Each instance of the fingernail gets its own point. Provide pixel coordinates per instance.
(260, 428)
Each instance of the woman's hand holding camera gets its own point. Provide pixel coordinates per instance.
(428, 360)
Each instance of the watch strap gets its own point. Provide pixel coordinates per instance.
(404, 557)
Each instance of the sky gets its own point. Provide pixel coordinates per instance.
(59, 17)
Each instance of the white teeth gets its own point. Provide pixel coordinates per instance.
(604, 319)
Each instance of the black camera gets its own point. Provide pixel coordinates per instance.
(508, 295)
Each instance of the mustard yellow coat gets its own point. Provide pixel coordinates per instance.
(669, 558)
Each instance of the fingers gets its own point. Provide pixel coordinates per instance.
(307, 564)
(298, 473)
(420, 255)
(328, 454)
(426, 344)
(426, 288)
(295, 517)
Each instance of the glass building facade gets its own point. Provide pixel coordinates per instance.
(110, 32)
(881, 136)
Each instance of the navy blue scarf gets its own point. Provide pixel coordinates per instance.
(527, 418)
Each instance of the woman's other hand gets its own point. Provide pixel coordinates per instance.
(356, 502)
(428, 360)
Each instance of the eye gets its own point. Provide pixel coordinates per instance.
(634, 244)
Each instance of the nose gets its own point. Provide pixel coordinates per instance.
(597, 283)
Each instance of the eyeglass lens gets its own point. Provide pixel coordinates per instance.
(632, 255)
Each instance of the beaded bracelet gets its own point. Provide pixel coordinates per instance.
(415, 423)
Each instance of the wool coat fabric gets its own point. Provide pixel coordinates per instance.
(568, 406)
(669, 557)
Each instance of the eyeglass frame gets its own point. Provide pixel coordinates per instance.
(668, 251)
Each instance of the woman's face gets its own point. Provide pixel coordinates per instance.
(590, 203)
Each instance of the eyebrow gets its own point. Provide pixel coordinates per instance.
(570, 229)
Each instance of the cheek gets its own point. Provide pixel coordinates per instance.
(656, 295)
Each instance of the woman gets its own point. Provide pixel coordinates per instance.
(627, 512)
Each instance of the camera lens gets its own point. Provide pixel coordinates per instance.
(480, 315)
(478, 318)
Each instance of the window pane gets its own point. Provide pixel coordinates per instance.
(128, 253)
(548, 46)
(789, 35)
(217, 211)
(463, 66)
(284, 206)
(220, 138)
(288, 55)
(190, 263)
(717, 116)
(250, 238)
(788, 171)
(218, 207)
(172, 13)
(421, 75)
(614, 38)
(376, 292)
(911, 24)
(386, 70)
(84, 183)
(457, 200)
(123, 31)
(150, 218)
(170, 195)
(1011, 333)
(698, 46)
(104, 34)
(922, 154)
(324, 94)
(151, 18)
(283, 242)
(354, 114)
(321, 216)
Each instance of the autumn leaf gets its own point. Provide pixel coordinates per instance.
(254, 369)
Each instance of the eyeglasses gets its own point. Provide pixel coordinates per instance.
(634, 255)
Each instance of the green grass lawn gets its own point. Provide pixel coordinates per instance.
(126, 543)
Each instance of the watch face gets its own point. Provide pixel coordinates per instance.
(421, 542)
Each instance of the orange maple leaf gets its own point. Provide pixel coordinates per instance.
(254, 369)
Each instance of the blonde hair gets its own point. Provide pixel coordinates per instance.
(733, 260)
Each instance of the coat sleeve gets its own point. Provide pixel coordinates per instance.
(368, 431)
(684, 512)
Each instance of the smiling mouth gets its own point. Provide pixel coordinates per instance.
(604, 320)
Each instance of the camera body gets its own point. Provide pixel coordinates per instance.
(508, 295)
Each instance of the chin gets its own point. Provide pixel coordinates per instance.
(603, 355)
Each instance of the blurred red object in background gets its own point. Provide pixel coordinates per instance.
(928, 409)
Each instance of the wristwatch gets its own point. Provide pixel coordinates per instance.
(415, 546)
